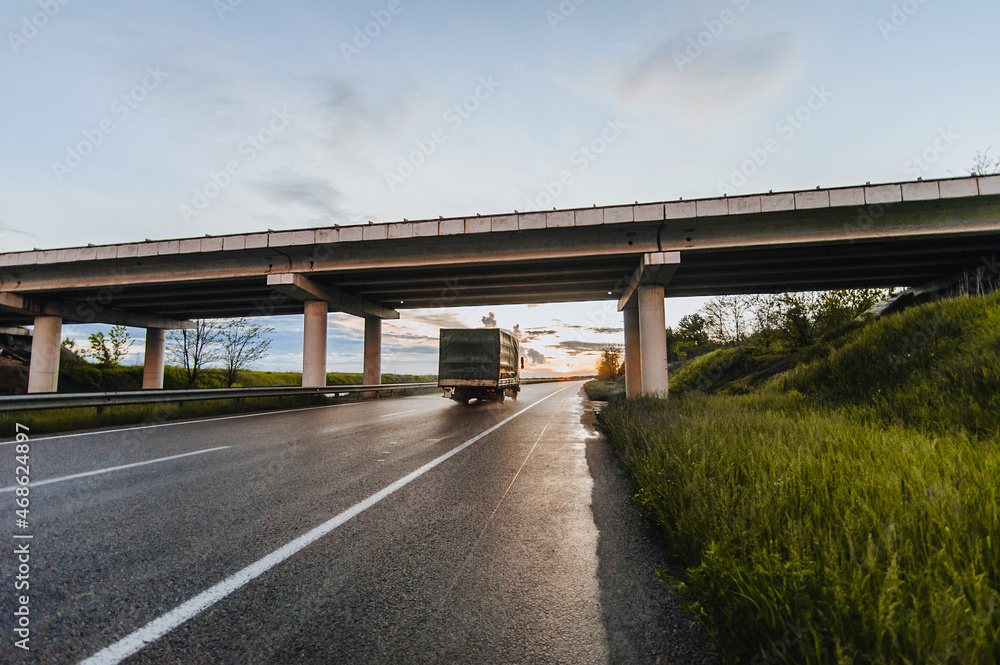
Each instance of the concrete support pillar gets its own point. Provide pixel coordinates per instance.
(653, 336)
(314, 344)
(152, 366)
(373, 351)
(633, 353)
(46, 340)
(373, 354)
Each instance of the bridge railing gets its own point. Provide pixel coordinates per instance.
(40, 401)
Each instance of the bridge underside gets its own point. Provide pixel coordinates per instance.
(901, 235)
(726, 271)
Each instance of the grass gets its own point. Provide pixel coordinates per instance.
(51, 421)
(853, 498)
(602, 391)
(83, 377)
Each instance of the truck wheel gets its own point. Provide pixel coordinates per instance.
(514, 395)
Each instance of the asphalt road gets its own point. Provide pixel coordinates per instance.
(414, 530)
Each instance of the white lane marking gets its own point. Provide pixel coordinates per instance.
(398, 413)
(36, 483)
(157, 628)
(181, 422)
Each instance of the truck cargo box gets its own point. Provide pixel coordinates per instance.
(479, 363)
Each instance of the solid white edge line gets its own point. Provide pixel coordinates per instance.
(178, 422)
(37, 483)
(157, 628)
(195, 422)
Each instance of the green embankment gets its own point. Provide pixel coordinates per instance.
(844, 510)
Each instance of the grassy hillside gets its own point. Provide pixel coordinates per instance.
(840, 505)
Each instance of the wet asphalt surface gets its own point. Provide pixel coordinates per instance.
(522, 548)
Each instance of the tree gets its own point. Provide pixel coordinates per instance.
(610, 364)
(983, 164)
(109, 351)
(242, 343)
(195, 349)
(727, 319)
(838, 311)
(766, 311)
(693, 328)
(797, 328)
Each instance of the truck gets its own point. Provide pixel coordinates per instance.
(481, 364)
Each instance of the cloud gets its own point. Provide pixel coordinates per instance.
(575, 348)
(439, 319)
(533, 334)
(606, 331)
(410, 337)
(534, 357)
(314, 193)
(490, 321)
(710, 92)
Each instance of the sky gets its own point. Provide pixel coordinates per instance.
(125, 121)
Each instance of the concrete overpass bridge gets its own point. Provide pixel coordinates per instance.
(901, 234)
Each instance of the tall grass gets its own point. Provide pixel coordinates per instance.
(845, 511)
(882, 543)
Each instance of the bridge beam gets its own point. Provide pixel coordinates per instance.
(83, 312)
(373, 353)
(152, 364)
(301, 287)
(655, 268)
(314, 344)
(46, 343)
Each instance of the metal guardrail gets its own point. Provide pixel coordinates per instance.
(39, 401)
(71, 400)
